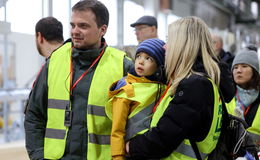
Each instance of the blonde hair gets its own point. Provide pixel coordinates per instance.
(189, 38)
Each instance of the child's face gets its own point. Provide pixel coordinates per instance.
(145, 65)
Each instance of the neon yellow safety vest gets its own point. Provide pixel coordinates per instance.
(98, 124)
(185, 151)
(140, 118)
(254, 129)
(231, 106)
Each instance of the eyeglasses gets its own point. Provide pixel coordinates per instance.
(140, 28)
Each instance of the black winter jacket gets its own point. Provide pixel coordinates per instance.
(36, 112)
(188, 116)
(226, 57)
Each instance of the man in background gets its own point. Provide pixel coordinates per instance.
(223, 55)
(145, 28)
(49, 35)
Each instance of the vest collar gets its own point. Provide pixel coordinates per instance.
(84, 58)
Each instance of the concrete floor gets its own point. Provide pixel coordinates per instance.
(13, 151)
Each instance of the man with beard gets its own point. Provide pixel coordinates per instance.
(65, 118)
(49, 35)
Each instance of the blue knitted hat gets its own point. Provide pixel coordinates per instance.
(153, 47)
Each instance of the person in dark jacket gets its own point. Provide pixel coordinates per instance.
(145, 28)
(65, 118)
(190, 108)
(223, 55)
(49, 35)
(246, 103)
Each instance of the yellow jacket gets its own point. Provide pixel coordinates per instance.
(123, 107)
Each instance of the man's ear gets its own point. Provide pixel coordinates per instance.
(103, 30)
(39, 37)
(154, 30)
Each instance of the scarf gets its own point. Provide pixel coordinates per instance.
(244, 98)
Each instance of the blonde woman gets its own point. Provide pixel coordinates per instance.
(191, 108)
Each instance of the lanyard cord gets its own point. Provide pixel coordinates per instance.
(163, 95)
(242, 104)
(72, 86)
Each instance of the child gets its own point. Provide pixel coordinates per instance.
(133, 97)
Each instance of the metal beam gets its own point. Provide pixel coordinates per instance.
(220, 6)
(50, 8)
(2, 3)
(14, 94)
(120, 23)
(5, 27)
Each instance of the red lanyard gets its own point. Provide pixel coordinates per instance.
(163, 95)
(243, 106)
(72, 86)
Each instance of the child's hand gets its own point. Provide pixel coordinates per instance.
(119, 84)
(127, 147)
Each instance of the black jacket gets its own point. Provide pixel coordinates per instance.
(36, 112)
(226, 57)
(188, 116)
(250, 116)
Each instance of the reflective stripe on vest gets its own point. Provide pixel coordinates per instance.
(99, 139)
(56, 133)
(254, 129)
(96, 110)
(140, 118)
(99, 125)
(188, 151)
(57, 104)
(94, 138)
(185, 151)
(58, 101)
(139, 122)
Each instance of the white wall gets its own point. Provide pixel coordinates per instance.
(27, 59)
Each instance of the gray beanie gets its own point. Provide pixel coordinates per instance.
(248, 57)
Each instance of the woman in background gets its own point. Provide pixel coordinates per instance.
(245, 105)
